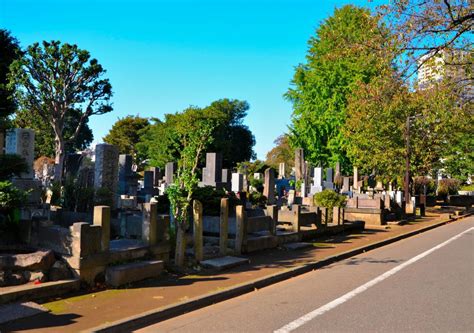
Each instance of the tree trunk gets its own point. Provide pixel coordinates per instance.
(180, 246)
(59, 159)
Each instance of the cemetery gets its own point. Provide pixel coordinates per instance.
(129, 237)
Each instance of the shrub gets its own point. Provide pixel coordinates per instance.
(210, 199)
(447, 187)
(257, 199)
(257, 184)
(329, 199)
(421, 182)
(11, 199)
(11, 165)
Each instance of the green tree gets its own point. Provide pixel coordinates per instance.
(281, 153)
(341, 54)
(376, 128)
(44, 133)
(9, 52)
(230, 136)
(193, 135)
(125, 134)
(55, 79)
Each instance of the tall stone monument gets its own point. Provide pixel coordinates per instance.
(317, 181)
(282, 170)
(269, 186)
(170, 169)
(21, 141)
(107, 169)
(212, 173)
(299, 164)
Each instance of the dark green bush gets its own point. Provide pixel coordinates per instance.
(421, 182)
(329, 199)
(257, 184)
(447, 187)
(11, 199)
(257, 199)
(11, 165)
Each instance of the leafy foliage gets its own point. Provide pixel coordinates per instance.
(125, 134)
(281, 153)
(44, 134)
(329, 199)
(9, 52)
(421, 182)
(11, 165)
(160, 141)
(54, 80)
(257, 199)
(448, 186)
(339, 56)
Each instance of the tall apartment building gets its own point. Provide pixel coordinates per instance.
(445, 64)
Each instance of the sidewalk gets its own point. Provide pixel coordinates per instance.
(89, 311)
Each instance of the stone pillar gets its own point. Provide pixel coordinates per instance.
(355, 181)
(163, 227)
(106, 169)
(338, 169)
(237, 182)
(317, 181)
(296, 217)
(102, 219)
(272, 211)
(224, 226)
(239, 228)
(170, 169)
(21, 141)
(299, 163)
(156, 175)
(336, 216)
(149, 225)
(269, 186)
(125, 171)
(148, 179)
(346, 184)
(198, 231)
(282, 170)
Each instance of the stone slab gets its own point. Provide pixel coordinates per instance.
(117, 276)
(224, 262)
(297, 245)
(15, 311)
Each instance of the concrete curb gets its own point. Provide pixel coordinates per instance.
(156, 315)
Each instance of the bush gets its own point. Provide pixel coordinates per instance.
(257, 199)
(11, 165)
(447, 187)
(210, 199)
(257, 184)
(11, 199)
(421, 182)
(329, 199)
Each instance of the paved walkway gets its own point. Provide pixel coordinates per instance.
(90, 310)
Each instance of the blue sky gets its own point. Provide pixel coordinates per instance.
(162, 56)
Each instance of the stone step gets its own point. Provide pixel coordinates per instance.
(119, 275)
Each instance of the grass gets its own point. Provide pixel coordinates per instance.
(467, 187)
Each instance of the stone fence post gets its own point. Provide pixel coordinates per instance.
(149, 224)
(272, 211)
(240, 220)
(224, 226)
(296, 217)
(198, 242)
(102, 219)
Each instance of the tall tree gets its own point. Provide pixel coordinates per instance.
(125, 134)
(193, 135)
(9, 52)
(55, 79)
(44, 133)
(340, 55)
(281, 153)
(425, 29)
(230, 136)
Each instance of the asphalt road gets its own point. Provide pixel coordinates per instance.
(423, 283)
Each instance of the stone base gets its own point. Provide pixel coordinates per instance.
(117, 276)
(369, 215)
(224, 262)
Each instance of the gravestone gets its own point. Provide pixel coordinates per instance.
(157, 175)
(21, 141)
(237, 182)
(299, 163)
(170, 169)
(226, 178)
(257, 175)
(338, 169)
(106, 169)
(269, 186)
(212, 173)
(281, 170)
(291, 197)
(355, 179)
(125, 172)
(148, 179)
(346, 184)
(317, 181)
(328, 184)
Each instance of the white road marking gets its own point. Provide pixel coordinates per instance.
(344, 298)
